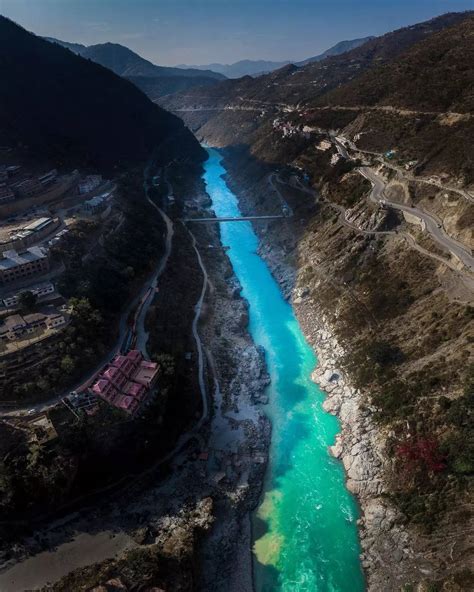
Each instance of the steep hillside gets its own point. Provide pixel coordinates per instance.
(155, 81)
(60, 106)
(435, 75)
(157, 87)
(409, 91)
(338, 49)
(299, 86)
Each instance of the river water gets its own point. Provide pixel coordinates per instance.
(305, 533)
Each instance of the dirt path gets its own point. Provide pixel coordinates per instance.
(49, 566)
(197, 338)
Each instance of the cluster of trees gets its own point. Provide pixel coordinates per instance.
(108, 279)
(458, 445)
(82, 456)
(80, 345)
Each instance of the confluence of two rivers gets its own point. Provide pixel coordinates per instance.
(305, 528)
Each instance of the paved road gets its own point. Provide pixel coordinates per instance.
(141, 333)
(431, 225)
(411, 177)
(377, 191)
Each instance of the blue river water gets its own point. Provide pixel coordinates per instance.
(305, 533)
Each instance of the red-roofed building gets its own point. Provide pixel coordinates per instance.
(135, 355)
(124, 364)
(134, 390)
(147, 373)
(116, 377)
(128, 404)
(106, 390)
(126, 381)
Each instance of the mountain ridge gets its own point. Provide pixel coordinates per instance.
(339, 48)
(292, 87)
(125, 62)
(258, 67)
(155, 81)
(58, 105)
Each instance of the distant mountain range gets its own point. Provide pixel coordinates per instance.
(240, 68)
(159, 81)
(306, 84)
(258, 67)
(155, 80)
(410, 88)
(56, 105)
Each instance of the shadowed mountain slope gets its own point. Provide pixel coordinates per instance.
(58, 105)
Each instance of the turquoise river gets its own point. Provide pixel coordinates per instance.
(305, 533)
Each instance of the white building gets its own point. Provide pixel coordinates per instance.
(39, 290)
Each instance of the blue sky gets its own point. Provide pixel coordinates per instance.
(201, 31)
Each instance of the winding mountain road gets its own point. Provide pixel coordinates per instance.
(376, 195)
(430, 222)
(432, 226)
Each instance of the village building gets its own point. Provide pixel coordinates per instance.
(29, 263)
(324, 145)
(42, 429)
(96, 205)
(13, 170)
(48, 178)
(17, 326)
(39, 224)
(126, 382)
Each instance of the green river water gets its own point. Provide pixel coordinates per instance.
(305, 532)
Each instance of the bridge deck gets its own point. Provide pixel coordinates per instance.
(233, 219)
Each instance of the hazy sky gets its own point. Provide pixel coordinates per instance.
(201, 31)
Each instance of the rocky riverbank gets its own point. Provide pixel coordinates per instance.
(388, 553)
(239, 431)
(360, 447)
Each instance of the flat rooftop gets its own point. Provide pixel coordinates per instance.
(13, 259)
(19, 224)
(146, 374)
(37, 224)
